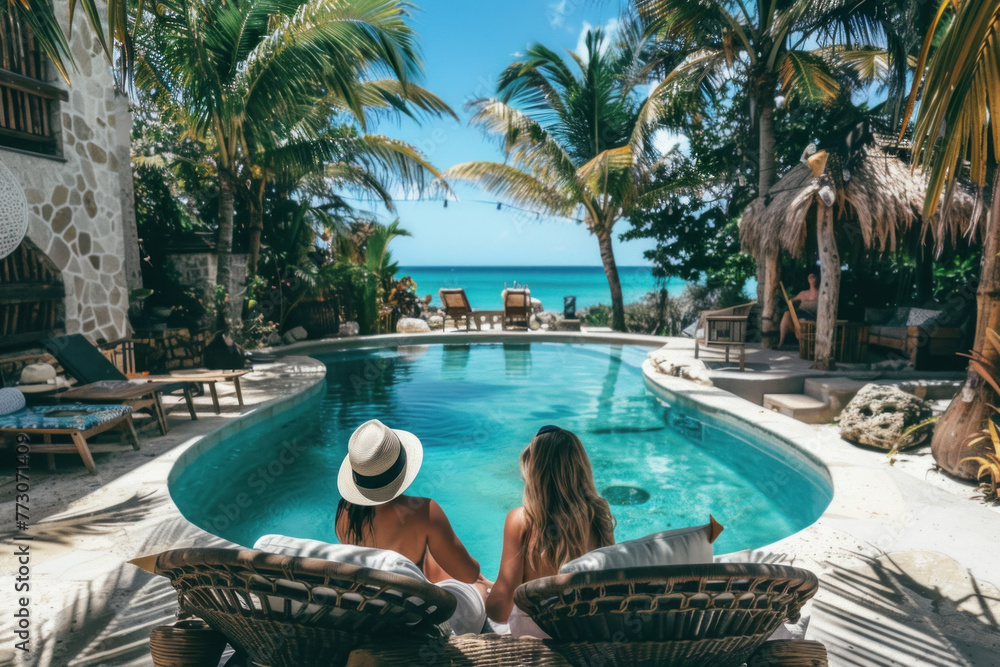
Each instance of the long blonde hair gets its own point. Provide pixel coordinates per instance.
(566, 517)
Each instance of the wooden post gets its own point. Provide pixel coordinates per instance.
(829, 288)
(769, 319)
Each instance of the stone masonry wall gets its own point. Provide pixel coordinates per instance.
(75, 208)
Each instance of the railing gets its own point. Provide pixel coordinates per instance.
(27, 117)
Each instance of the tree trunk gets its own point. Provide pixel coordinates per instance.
(224, 246)
(967, 414)
(924, 275)
(829, 288)
(614, 282)
(769, 324)
(256, 229)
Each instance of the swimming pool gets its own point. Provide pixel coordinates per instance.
(475, 407)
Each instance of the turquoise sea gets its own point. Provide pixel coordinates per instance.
(550, 284)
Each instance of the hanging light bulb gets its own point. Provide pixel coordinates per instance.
(846, 175)
(809, 151)
(826, 191)
(779, 101)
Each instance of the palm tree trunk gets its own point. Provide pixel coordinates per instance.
(256, 229)
(614, 282)
(829, 290)
(769, 320)
(224, 245)
(968, 413)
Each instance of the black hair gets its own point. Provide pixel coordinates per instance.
(359, 521)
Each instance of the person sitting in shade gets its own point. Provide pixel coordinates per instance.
(806, 304)
(374, 512)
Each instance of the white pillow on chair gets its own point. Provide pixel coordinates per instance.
(375, 559)
(683, 546)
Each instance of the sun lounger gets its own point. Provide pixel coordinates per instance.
(456, 306)
(76, 421)
(516, 307)
(102, 382)
(283, 611)
(280, 610)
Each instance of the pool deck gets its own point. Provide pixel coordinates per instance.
(907, 559)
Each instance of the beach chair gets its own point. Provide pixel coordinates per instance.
(516, 307)
(283, 611)
(102, 382)
(456, 306)
(717, 615)
(77, 422)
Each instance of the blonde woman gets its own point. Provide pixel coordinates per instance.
(562, 518)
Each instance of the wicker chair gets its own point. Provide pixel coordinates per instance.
(281, 611)
(682, 615)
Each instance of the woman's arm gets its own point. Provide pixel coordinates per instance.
(449, 552)
(501, 599)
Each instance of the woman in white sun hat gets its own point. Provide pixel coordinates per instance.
(380, 465)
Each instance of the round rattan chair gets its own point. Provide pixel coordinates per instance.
(281, 611)
(712, 615)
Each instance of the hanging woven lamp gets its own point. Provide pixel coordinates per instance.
(13, 212)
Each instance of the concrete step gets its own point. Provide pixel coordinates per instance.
(835, 392)
(799, 406)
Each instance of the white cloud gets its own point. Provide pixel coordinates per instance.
(610, 30)
(557, 13)
(665, 141)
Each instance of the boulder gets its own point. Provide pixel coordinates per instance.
(288, 338)
(274, 339)
(536, 305)
(548, 317)
(350, 329)
(298, 333)
(412, 325)
(435, 322)
(879, 416)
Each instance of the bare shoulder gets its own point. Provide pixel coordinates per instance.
(516, 522)
(412, 508)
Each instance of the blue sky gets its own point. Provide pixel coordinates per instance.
(466, 44)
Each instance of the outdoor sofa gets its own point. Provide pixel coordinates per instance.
(285, 611)
(927, 338)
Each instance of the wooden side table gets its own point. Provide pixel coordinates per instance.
(725, 331)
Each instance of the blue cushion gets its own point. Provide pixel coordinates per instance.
(69, 417)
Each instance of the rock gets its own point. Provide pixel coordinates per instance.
(566, 325)
(274, 339)
(288, 338)
(412, 325)
(435, 322)
(879, 416)
(298, 333)
(350, 329)
(548, 317)
(536, 305)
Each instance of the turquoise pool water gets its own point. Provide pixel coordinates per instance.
(475, 407)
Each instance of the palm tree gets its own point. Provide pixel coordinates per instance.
(117, 42)
(765, 47)
(578, 143)
(238, 70)
(959, 119)
(337, 156)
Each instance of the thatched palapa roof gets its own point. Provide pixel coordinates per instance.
(883, 200)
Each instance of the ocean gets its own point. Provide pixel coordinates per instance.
(483, 284)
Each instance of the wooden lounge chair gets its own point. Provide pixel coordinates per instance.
(456, 306)
(715, 615)
(516, 307)
(102, 382)
(77, 422)
(295, 612)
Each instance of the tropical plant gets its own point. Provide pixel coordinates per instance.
(987, 443)
(235, 70)
(578, 143)
(775, 52)
(958, 85)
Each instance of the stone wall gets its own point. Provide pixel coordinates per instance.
(168, 350)
(199, 269)
(74, 202)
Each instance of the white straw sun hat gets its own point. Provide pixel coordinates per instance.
(381, 463)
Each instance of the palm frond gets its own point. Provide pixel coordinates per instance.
(808, 76)
(514, 186)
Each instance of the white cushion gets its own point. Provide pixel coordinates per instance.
(375, 559)
(683, 546)
(11, 400)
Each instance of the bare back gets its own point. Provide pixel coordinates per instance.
(418, 529)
